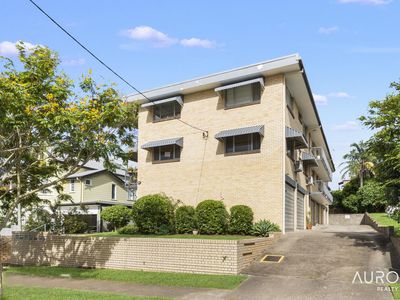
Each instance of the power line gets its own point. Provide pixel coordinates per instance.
(101, 61)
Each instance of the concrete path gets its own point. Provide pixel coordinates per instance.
(320, 264)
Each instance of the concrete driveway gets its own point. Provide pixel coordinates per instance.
(320, 264)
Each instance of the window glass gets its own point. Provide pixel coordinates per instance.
(166, 152)
(243, 94)
(242, 143)
(113, 191)
(166, 110)
(229, 144)
(72, 185)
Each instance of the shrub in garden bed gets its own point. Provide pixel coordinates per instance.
(117, 216)
(241, 220)
(185, 219)
(212, 217)
(128, 229)
(264, 227)
(154, 214)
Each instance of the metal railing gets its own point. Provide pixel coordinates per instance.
(319, 154)
(322, 187)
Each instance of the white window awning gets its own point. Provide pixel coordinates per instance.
(259, 80)
(156, 102)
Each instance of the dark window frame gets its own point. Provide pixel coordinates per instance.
(254, 144)
(256, 92)
(113, 191)
(177, 110)
(157, 154)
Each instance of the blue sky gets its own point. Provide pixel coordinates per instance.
(350, 48)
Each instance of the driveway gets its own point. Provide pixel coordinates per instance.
(320, 264)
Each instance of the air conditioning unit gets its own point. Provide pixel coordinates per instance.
(298, 166)
(310, 180)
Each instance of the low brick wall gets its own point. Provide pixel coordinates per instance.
(203, 256)
(5, 249)
(387, 231)
(346, 219)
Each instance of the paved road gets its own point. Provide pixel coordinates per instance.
(320, 264)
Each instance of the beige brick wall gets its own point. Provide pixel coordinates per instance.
(204, 172)
(147, 254)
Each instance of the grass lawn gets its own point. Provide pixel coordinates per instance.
(384, 220)
(173, 236)
(140, 277)
(22, 293)
(396, 290)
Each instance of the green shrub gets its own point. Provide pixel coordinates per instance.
(241, 220)
(212, 217)
(154, 214)
(128, 229)
(264, 227)
(117, 216)
(73, 224)
(185, 219)
(37, 219)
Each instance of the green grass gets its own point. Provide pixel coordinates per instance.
(396, 290)
(172, 236)
(23, 293)
(140, 277)
(384, 220)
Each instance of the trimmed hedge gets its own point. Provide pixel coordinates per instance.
(117, 215)
(185, 219)
(128, 229)
(212, 217)
(241, 220)
(154, 214)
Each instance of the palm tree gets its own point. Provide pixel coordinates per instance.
(358, 162)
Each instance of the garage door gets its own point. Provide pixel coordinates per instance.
(289, 208)
(300, 211)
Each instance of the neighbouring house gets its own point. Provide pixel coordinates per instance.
(250, 135)
(94, 187)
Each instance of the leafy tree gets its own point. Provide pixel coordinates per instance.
(372, 197)
(49, 126)
(117, 215)
(337, 205)
(384, 117)
(351, 204)
(358, 162)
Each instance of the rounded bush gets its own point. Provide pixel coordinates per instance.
(185, 219)
(212, 217)
(128, 229)
(117, 216)
(241, 220)
(154, 214)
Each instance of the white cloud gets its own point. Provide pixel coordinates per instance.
(73, 62)
(371, 2)
(147, 33)
(328, 30)
(9, 48)
(195, 42)
(349, 125)
(161, 39)
(320, 99)
(339, 95)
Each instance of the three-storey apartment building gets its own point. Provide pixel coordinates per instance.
(250, 135)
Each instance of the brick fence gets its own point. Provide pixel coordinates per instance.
(203, 256)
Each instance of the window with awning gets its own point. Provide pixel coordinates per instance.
(244, 139)
(241, 93)
(164, 109)
(164, 150)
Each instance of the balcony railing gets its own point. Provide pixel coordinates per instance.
(322, 187)
(319, 154)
